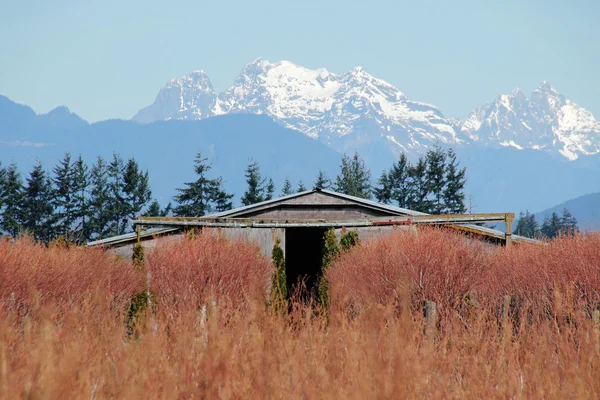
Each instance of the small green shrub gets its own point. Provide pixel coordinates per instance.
(138, 258)
(279, 292)
(137, 312)
(331, 250)
(349, 239)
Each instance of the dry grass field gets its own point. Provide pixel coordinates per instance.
(68, 328)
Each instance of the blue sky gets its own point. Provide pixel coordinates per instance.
(107, 59)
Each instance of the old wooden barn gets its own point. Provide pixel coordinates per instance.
(300, 220)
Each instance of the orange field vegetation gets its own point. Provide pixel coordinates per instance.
(65, 319)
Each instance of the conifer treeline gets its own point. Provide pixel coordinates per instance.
(552, 226)
(74, 202)
(434, 184)
(80, 203)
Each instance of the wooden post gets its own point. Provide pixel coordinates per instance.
(138, 230)
(596, 329)
(430, 313)
(509, 217)
(505, 308)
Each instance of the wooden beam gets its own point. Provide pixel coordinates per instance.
(509, 217)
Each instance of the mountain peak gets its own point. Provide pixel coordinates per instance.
(64, 110)
(62, 115)
(342, 110)
(257, 61)
(198, 73)
(258, 64)
(546, 87)
(546, 121)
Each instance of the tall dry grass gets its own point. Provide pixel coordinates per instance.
(188, 274)
(33, 275)
(428, 264)
(186, 352)
(441, 266)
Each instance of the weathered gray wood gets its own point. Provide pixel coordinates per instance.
(315, 204)
(320, 212)
(318, 199)
(430, 314)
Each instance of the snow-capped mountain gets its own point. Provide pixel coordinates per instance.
(356, 111)
(546, 121)
(346, 111)
(191, 97)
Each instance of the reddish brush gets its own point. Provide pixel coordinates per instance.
(434, 264)
(566, 266)
(427, 264)
(82, 351)
(190, 272)
(33, 275)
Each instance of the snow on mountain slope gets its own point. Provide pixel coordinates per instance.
(546, 121)
(191, 97)
(356, 111)
(346, 111)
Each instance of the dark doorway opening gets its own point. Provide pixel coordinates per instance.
(303, 257)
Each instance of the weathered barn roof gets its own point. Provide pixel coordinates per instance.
(318, 207)
(131, 237)
(274, 202)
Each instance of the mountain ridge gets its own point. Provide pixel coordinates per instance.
(318, 103)
(544, 121)
(352, 110)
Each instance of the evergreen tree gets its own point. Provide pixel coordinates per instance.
(117, 204)
(286, 189)
(221, 198)
(2, 191)
(384, 191)
(37, 205)
(100, 200)
(436, 179)
(301, 187)
(568, 223)
(527, 225)
(398, 180)
(322, 182)
(194, 200)
(552, 226)
(344, 182)
(13, 197)
(81, 211)
(258, 188)
(154, 210)
(136, 189)
(453, 194)
(65, 199)
(419, 187)
(354, 178)
(270, 189)
(202, 196)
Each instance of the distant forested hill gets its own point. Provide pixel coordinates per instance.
(585, 208)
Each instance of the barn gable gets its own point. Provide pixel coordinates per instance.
(314, 205)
